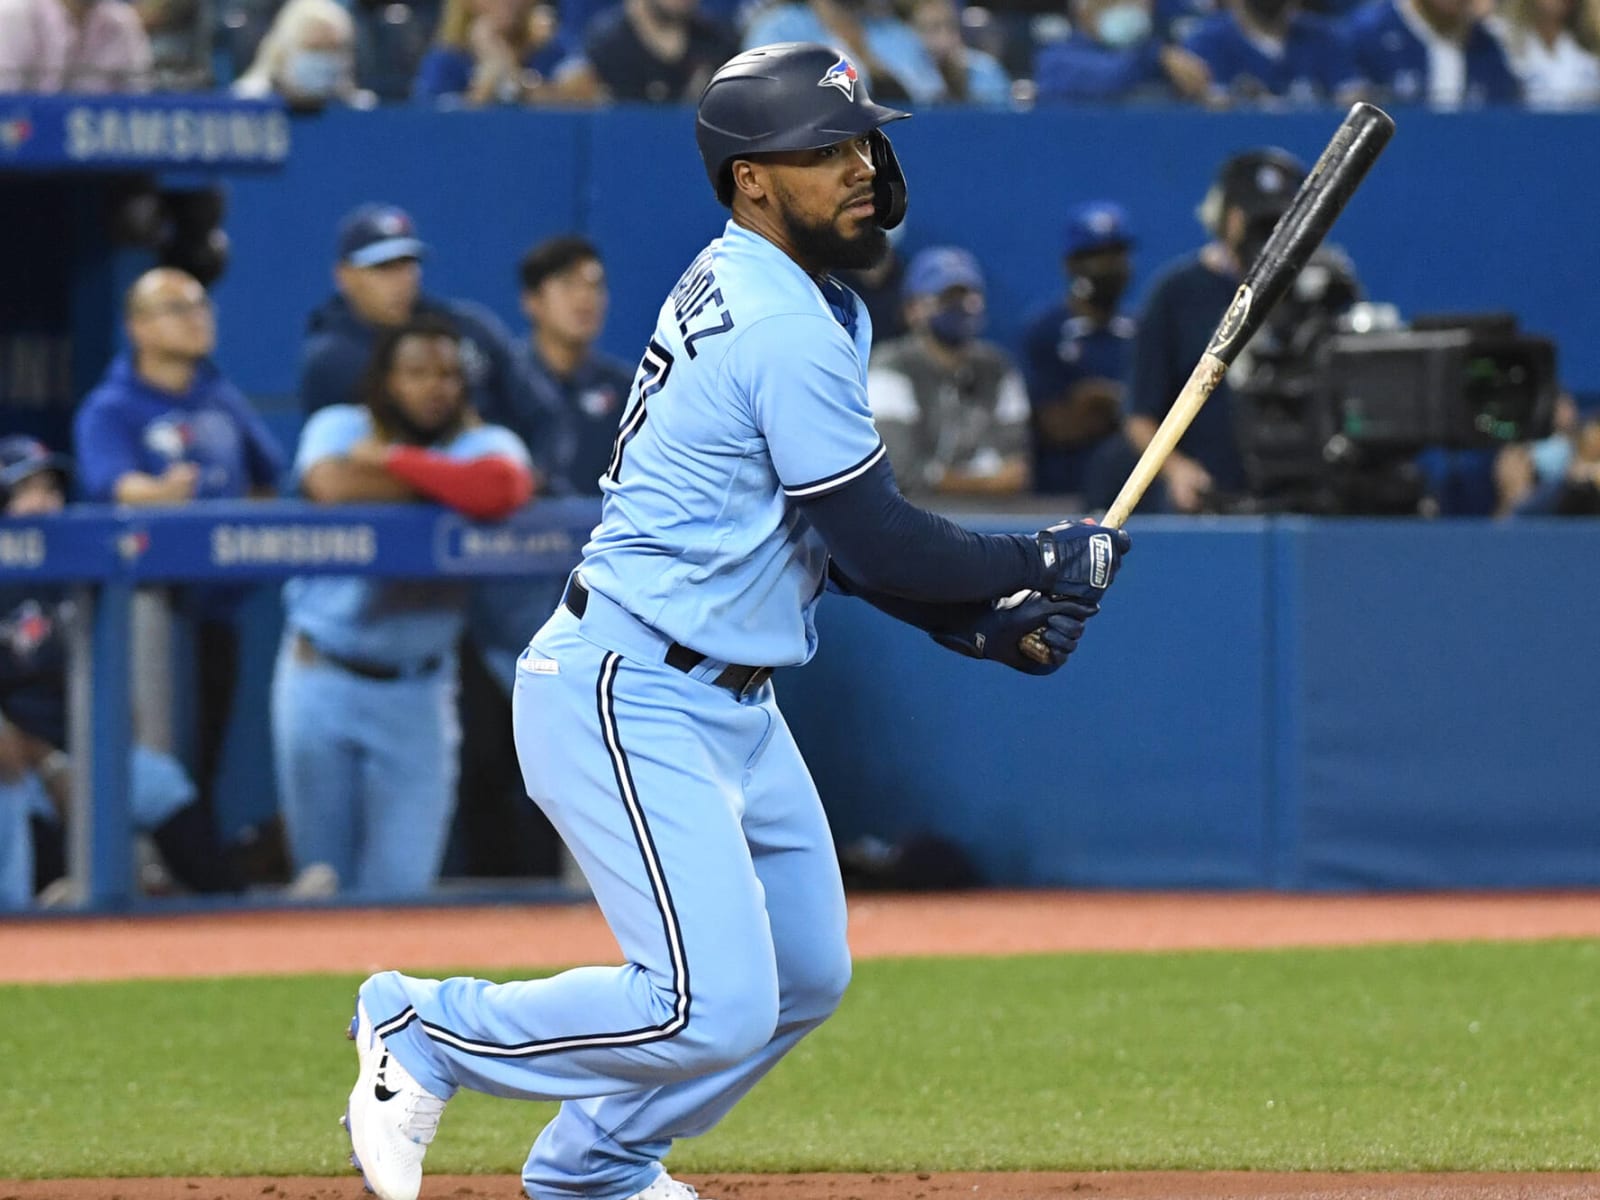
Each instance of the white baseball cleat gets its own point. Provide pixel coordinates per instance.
(665, 1187)
(391, 1117)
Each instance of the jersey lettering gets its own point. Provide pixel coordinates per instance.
(654, 368)
(695, 293)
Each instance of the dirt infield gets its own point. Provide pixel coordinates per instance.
(984, 923)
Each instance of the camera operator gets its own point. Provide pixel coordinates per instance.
(1251, 191)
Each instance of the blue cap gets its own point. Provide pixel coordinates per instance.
(22, 457)
(378, 233)
(940, 267)
(1097, 225)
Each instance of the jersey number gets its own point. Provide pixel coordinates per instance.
(654, 368)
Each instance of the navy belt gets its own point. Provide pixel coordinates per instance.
(369, 670)
(739, 680)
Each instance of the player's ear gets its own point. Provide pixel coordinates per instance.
(749, 178)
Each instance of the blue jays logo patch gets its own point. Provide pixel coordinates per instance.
(842, 75)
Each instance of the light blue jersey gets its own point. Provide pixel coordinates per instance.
(385, 622)
(751, 395)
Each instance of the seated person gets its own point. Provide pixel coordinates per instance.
(1113, 55)
(1434, 52)
(950, 407)
(308, 57)
(1258, 50)
(885, 51)
(657, 51)
(499, 52)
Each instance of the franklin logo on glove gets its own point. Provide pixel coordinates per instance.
(1100, 560)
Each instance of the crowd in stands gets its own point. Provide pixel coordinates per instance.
(1214, 53)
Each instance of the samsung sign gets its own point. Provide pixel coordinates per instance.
(116, 133)
(152, 132)
(293, 545)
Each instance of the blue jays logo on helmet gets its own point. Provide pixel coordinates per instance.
(842, 76)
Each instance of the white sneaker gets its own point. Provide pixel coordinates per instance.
(665, 1187)
(391, 1118)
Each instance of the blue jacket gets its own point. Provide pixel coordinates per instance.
(127, 424)
(339, 343)
(1081, 69)
(1390, 54)
(1314, 63)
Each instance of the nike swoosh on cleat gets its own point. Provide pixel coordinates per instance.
(378, 1090)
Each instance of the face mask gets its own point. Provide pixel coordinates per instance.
(1100, 290)
(314, 73)
(1123, 25)
(956, 324)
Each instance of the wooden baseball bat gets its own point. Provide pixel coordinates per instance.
(1343, 164)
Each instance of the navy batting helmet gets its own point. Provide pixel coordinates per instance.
(794, 96)
(22, 457)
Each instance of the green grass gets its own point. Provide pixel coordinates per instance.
(1430, 1057)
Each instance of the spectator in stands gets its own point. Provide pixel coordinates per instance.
(1112, 55)
(163, 428)
(502, 52)
(658, 51)
(378, 277)
(1251, 191)
(884, 49)
(364, 720)
(1075, 353)
(1434, 52)
(950, 407)
(1265, 51)
(1573, 490)
(971, 76)
(35, 770)
(181, 34)
(308, 57)
(569, 406)
(1552, 45)
(72, 46)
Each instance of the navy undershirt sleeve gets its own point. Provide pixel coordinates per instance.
(884, 543)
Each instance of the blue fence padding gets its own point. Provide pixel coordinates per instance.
(1442, 681)
(1278, 702)
(1446, 222)
(1140, 765)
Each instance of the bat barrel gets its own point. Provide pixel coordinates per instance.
(1339, 170)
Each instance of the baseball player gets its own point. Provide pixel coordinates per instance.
(746, 477)
(363, 695)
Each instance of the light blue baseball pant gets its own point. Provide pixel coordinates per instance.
(158, 787)
(700, 831)
(366, 771)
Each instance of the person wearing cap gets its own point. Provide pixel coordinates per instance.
(1251, 191)
(951, 408)
(35, 769)
(1270, 52)
(377, 278)
(1075, 352)
(166, 427)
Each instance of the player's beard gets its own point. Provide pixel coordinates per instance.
(822, 243)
